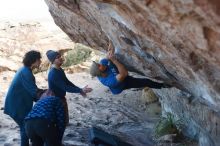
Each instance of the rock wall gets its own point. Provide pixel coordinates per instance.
(175, 41)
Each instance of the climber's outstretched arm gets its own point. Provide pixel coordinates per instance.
(123, 72)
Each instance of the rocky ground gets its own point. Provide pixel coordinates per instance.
(111, 113)
(123, 115)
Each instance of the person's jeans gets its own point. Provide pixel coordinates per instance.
(131, 82)
(24, 138)
(42, 132)
(66, 110)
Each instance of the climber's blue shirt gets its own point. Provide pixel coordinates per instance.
(110, 80)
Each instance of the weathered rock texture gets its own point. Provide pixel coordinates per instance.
(175, 41)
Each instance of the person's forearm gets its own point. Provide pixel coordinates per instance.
(121, 68)
(63, 86)
(73, 89)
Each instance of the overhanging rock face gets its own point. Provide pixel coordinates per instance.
(175, 41)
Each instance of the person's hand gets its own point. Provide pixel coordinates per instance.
(47, 93)
(85, 90)
(40, 93)
(83, 94)
(110, 54)
(110, 47)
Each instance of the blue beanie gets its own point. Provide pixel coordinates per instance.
(104, 62)
(51, 55)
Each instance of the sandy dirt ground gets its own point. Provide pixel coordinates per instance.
(123, 115)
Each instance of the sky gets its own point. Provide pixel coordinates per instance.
(23, 10)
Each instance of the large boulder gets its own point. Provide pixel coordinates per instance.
(174, 41)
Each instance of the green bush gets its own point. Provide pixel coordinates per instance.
(78, 55)
(168, 125)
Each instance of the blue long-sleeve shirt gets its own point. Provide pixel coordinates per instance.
(50, 108)
(21, 94)
(59, 83)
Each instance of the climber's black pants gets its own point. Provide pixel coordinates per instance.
(42, 131)
(131, 82)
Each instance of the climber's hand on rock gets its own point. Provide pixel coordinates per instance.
(110, 46)
(111, 56)
(111, 50)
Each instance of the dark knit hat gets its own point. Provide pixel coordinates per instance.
(94, 69)
(51, 55)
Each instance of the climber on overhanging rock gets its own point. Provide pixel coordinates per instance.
(114, 75)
